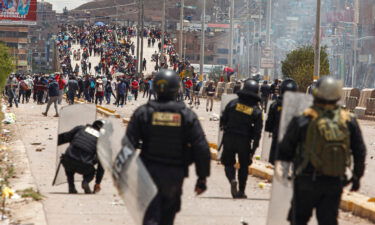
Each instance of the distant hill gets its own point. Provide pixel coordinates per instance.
(152, 9)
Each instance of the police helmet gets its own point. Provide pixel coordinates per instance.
(288, 85)
(250, 87)
(166, 84)
(328, 90)
(98, 124)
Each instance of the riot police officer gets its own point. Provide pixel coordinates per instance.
(81, 157)
(320, 143)
(274, 114)
(172, 138)
(242, 124)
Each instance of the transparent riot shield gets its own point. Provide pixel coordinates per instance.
(130, 176)
(225, 99)
(282, 190)
(70, 117)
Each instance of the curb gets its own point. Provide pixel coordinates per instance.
(102, 110)
(355, 203)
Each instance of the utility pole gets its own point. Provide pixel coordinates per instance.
(259, 35)
(163, 28)
(269, 23)
(202, 38)
(141, 33)
(138, 28)
(181, 26)
(231, 14)
(355, 30)
(317, 41)
(248, 39)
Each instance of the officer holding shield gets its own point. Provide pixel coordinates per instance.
(81, 156)
(242, 124)
(320, 143)
(274, 114)
(170, 137)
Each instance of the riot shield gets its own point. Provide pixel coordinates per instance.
(282, 190)
(130, 176)
(225, 99)
(70, 117)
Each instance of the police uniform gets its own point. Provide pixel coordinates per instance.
(242, 124)
(272, 125)
(81, 157)
(320, 178)
(171, 139)
(274, 115)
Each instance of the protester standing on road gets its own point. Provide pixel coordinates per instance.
(242, 124)
(274, 116)
(108, 91)
(99, 91)
(72, 89)
(172, 138)
(210, 93)
(81, 156)
(320, 144)
(135, 88)
(11, 90)
(53, 92)
(265, 91)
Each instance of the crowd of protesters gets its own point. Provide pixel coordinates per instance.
(114, 79)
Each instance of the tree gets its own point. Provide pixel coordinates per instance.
(6, 64)
(299, 65)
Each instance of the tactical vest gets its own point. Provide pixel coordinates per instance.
(83, 145)
(240, 120)
(327, 144)
(166, 133)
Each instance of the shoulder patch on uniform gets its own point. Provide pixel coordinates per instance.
(166, 119)
(279, 108)
(345, 115)
(311, 113)
(244, 109)
(92, 131)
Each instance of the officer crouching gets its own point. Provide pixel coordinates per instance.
(242, 123)
(320, 143)
(172, 138)
(81, 157)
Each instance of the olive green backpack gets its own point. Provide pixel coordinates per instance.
(327, 145)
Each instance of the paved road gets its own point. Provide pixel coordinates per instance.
(213, 207)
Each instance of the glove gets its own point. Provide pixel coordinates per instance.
(201, 186)
(97, 188)
(355, 184)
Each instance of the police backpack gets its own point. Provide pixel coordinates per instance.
(327, 144)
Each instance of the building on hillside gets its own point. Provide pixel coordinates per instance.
(15, 37)
(42, 52)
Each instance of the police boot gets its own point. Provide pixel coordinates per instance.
(241, 194)
(72, 189)
(86, 187)
(233, 188)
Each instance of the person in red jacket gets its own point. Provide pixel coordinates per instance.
(135, 88)
(188, 85)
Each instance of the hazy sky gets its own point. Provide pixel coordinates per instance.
(58, 5)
